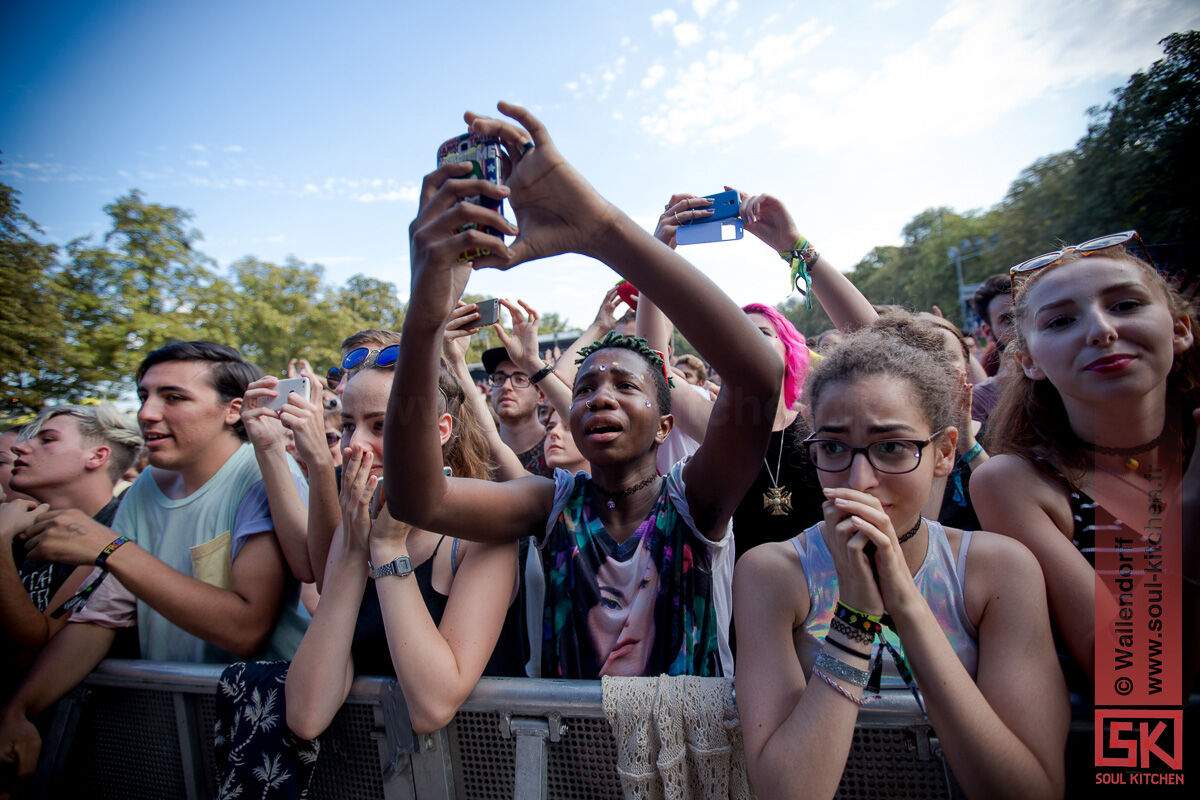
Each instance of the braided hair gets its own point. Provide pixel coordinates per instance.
(637, 344)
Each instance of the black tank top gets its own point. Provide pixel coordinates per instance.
(369, 647)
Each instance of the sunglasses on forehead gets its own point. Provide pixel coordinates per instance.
(1125, 239)
(362, 358)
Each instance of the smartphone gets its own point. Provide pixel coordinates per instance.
(722, 230)
(484, 156)
(725, 205)
(285, 387)
(489, 312)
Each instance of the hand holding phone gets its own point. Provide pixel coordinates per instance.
(483, 154)
(723, 225)
(285, 387)
(489, 312)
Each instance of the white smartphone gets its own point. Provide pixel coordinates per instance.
(285, 387)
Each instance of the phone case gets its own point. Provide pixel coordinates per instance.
(725, 205)
(722, 230)
(484, 156)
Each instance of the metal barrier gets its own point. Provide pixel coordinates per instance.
(140, 729)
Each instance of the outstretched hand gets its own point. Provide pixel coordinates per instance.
(461, 326)
(606, 315)
(522, 342)
(557, 210)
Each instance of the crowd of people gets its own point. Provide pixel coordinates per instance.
(873, 507)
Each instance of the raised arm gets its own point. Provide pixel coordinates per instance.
(457, 340)
(289, 511)
(417, 491)
(522, 347)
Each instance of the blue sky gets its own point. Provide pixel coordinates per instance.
(304, 128)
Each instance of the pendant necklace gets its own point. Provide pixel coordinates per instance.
(1131, 463)
(777, 500)
(611, 503)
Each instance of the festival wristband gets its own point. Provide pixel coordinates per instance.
(975, 452)
(801, 257)
(108, 550)
(841, 670)
(852, 615)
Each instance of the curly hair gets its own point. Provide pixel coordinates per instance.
(636, 344)
(897, 346)
(1030, 419)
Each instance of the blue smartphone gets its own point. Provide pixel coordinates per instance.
(725, 205)
(722, 230)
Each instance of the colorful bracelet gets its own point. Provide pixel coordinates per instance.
(972, 454)
(109, 549)
(871, 623)
(802, 256)
(841, 670)
(837, 687)
(850, 632)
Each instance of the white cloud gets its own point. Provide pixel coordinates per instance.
(197, 147)
(234, 148)
(702, 7)
(572, 86)
(310, 189)
(404, 193)
(653, 75)
(687, 34)
(663, 18)
(198, 163)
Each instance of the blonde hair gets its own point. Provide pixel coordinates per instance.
(101, 424)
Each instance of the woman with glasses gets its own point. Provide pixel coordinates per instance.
(876, 595)
(1102, 408)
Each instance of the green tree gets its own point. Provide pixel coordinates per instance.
(33, 344)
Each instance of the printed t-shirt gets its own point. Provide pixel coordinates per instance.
(199, 535)
(43, 579)
(534, 460)
(657, 603)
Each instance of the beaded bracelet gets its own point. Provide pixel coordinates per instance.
(840, 669)
(850, 632)
(837, 687)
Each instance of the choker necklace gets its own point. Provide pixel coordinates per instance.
(911, 532)
(612, 496)
(1131, 463)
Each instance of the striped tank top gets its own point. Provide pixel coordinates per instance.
(940, 579)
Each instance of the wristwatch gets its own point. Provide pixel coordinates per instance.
(399, 566)
(541, 373)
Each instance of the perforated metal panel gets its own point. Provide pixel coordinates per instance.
(884, 762)
(349, 763)
(128, 746)
(582, 766)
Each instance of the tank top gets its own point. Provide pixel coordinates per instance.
(940, 579)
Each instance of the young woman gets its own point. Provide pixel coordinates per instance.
(1106, 395)
(967, 609)
(624, 516)
(456, 595)
(785, 496)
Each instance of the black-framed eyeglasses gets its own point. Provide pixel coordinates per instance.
(891, 456)
(1122, 239)
(519, 380)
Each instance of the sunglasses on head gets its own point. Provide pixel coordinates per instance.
(363, 358)
(1090, 247)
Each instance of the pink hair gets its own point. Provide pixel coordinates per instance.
(794, 349)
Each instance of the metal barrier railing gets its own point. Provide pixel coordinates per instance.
(139, 729)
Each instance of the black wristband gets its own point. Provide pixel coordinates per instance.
(540, 374)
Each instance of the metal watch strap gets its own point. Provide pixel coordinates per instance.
(400, 566)
(541, 373)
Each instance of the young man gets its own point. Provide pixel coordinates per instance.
(69, 457)
(993, 304)
(515, 399)
(192, 555)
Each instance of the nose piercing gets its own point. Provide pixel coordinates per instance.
(588, 404)
(602, 368)
(647, 404)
